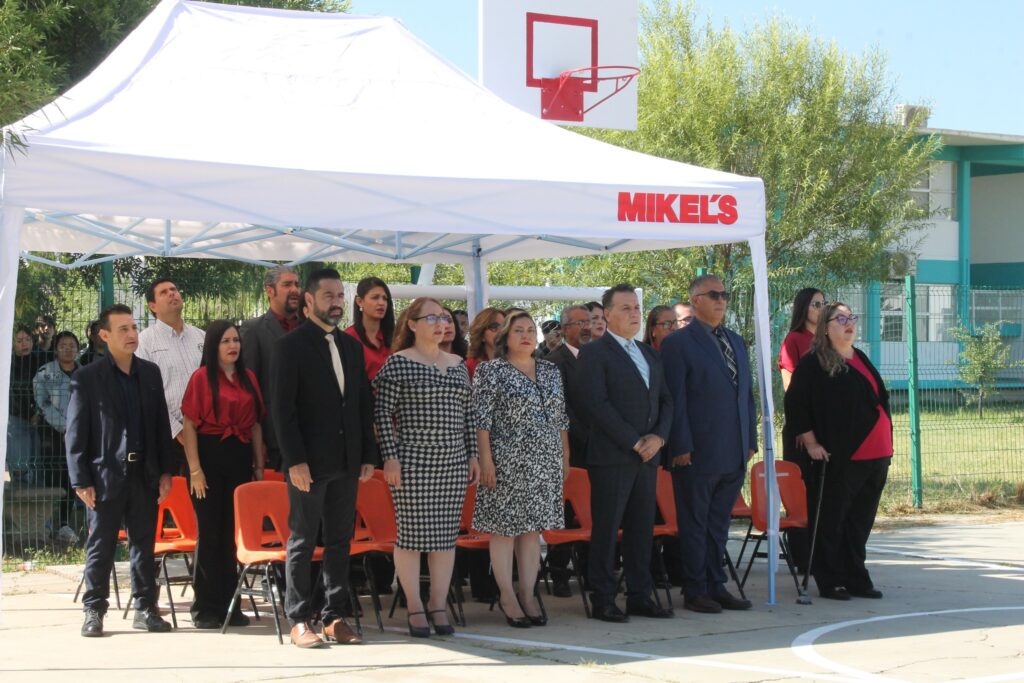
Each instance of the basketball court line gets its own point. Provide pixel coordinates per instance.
(958, 561)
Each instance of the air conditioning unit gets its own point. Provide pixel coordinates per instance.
(901, 264)
(907, 113)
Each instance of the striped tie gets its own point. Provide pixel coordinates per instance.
(727, 352)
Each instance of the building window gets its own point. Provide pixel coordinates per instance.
(936, 312)
(990, 306)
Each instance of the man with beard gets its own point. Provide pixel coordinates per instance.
(323, 415)
(575, 321)
(259, 335)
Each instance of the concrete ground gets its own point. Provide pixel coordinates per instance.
(953, 610)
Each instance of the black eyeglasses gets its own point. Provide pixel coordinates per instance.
(843, 319)
(817, 304)
(685, 319)
(716, 295)
(667, 325)
(434, 319)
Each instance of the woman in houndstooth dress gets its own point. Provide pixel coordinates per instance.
(428, 443)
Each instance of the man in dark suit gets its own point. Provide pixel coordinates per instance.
(629, 410)
(714, 434)
(120, 464)
(259, 335)
(323, 413)
(575, 321)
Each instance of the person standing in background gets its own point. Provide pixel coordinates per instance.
(598, 324)
(22, 444)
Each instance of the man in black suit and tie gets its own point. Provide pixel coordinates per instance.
(629, 410)
(714, 434)
(120, 463)
(259, 335)
(323, 413)
(575, 321)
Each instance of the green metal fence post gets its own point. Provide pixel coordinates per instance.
(916, 484)
(106, 284)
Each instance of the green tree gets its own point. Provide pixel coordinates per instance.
(983, 355)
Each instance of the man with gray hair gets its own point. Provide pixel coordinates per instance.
(281, 283)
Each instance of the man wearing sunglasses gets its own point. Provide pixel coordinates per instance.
(714, 434)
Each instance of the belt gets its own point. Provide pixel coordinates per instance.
(134, 456)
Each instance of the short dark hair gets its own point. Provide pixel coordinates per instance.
(23, 328)
(318, 276)
(48, 318)
(66, 333)
(621, 288)
(592, 305)
(115, 309)
(151, 290)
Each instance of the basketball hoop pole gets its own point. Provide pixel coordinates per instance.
(561, 99)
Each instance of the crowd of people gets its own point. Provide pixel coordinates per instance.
(439, 413)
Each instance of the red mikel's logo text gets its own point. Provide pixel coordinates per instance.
(651, 207)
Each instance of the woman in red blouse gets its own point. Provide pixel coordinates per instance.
(838, 407)
(454, 340)
(373, 323)
(482, 333)
(222, 409)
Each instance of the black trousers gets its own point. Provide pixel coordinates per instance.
(136, 506)
(331, 502)
(704, 508)
(848, 507)
(227, 464)
(622, 496)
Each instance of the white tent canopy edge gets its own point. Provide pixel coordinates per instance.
(407, 160)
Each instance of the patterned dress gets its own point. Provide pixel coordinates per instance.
(525, 420)
(423, 417)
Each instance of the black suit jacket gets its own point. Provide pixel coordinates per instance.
(258, 338)
(96, 423)
(568, 365)
(619, 407)
(315, 424)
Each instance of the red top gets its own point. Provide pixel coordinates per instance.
(237, 410)
(374, 357)
(794, 346)
(288, 324)
(471, 364)
(878, 443)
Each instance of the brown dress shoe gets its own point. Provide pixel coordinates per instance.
(304, 636)
(340, 632)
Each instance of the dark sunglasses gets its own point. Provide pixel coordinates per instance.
(494, 327)
(843, 319)
(816, 304)
(716, 295)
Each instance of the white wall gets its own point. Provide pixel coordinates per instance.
(939, 238)
(997, 219)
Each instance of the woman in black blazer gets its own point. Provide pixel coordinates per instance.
(838, 408)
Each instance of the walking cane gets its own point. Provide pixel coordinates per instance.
(804, 598)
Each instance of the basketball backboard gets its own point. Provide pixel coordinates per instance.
(527, 45)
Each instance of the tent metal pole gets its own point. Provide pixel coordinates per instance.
(476, 280)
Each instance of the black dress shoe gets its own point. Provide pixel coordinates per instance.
(648, 608)
(149, 620)
(865, 593)
(93, 625)
(610, 613)
(729, 601)
(515, 622)
(834, 593)
(703, 603)
(561, 589)
(238, 619)
(206, 622)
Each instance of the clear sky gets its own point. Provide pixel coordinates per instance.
(964, 59)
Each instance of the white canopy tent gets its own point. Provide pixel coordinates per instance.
(268, 135)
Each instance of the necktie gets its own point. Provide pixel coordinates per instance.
(727, 352)
(639, 361)
(336, 362)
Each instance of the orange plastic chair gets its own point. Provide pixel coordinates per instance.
(375, 535)
(793, 496)
(177, 539)
(272, 475)
(665, 498)
(576, 493)
(254, 502)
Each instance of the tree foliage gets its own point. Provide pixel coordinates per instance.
(983, 355)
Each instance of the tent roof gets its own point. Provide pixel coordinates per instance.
(279, 135)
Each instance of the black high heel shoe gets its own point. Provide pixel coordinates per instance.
(539, 620)
(441, 629)
(517, 622)
(418, 631)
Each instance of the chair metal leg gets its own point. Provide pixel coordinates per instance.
(374, 593)
(273, 606)
(117, 591)
(353, 601)
(753, 556)
(743, 548)
(788, 555)
(167, 584)
(235, 598)
(733, 574)
(575, 556)
(189, 567)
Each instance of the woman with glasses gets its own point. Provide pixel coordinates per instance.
(838, 408)
(428, 443)
(661, 321)
(807, 305)
(481, 337)
(523, 440)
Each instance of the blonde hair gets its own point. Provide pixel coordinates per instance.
(404, 337)
(831, 361)
(501, 340)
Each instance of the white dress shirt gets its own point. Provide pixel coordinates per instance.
(178, 356)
